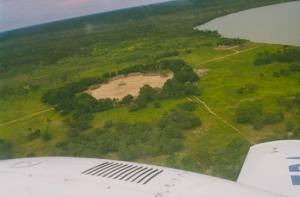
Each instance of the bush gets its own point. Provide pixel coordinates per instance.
(250, 112)
(97, 131)
(297, 97)
(285, 72)
(106, 75)
(46, 136)
(276, 74)
(295, 67)
(133, 107)
(34, 135)
(192, 89)
(241, 90)
(261, 60)
(108, 124)
(113, 74)
(289, 126)
(157, 104)
(72, 132)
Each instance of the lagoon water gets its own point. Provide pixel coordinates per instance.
(275, 24)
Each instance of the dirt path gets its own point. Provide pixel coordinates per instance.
(236, 52)
(223, 120)
(25, 117)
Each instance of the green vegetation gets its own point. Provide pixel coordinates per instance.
(158, 127)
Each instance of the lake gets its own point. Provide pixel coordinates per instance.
(275, 24)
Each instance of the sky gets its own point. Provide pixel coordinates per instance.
(16, 14)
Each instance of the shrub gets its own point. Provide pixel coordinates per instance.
(97, 131)
(192, 89)
(157, 104)
(34, 135)
(72, 132)
(276, 74)
(241, 90)
(285, 72)
(295, 67)
(113, 74)
(289, 126)
(108, 124)
(106, 75)
(133, 107)
(297, 97)
(261, 60)
(46, 136)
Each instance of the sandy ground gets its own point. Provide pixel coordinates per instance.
(133, 85)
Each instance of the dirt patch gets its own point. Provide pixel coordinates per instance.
(201, 72)
(132, 86)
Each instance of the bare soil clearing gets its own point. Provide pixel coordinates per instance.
(133, 84)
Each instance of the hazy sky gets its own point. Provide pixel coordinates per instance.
(22, 13)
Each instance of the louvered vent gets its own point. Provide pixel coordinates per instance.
(125, 172)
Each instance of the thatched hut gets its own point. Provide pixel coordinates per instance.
(122, 83)
(95, 86)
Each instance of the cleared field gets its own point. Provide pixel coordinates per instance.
(131, 86)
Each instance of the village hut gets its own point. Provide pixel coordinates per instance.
(95, 86)
(122, 83)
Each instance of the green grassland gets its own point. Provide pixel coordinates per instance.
(206, 147)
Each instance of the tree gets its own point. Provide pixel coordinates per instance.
(113, 74)
(127, 99)
(185, 76)
(106, 75)
(192, 89)
(147, 93)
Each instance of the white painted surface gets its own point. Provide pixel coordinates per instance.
(267, 167)
(62, 177)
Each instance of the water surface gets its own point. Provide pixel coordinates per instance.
(275, 24)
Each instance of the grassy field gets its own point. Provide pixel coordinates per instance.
(203, 146)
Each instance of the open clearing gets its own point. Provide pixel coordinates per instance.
(132, 86)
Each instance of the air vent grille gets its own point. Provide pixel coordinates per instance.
(125, 172)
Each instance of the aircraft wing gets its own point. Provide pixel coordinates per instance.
(83, 177)
(273, 166)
